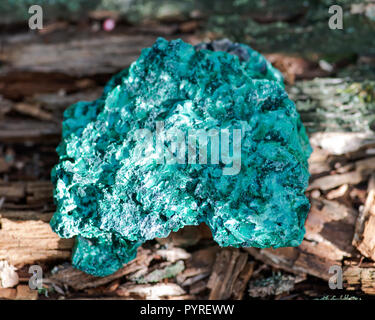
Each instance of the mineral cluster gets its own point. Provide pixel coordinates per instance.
(114, 196)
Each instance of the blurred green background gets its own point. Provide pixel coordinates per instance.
(269, 25)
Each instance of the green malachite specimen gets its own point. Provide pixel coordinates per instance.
(113, 200)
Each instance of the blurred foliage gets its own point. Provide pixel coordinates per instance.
(335, 104)
(296, 26)
(17, 10)
(267, 25)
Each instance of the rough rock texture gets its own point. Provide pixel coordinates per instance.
(113, 199)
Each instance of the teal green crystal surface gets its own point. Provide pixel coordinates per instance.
(113, 200)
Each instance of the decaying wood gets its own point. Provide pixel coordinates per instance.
(39, 192)
(57, 103)
(339, 143)
(366, 166)
(198, 269)
(362, 170)
(8, 293)
(333, 181)
(25, 293)
(5, 106)
(318, 162)
(82, 57)
(242, 281)
(35, 67)
(79, 280)
(152, 292)
(26, 238)
(198, 287)
(364, 237)
(33, 193)
(173, 254)
(359, 278)
(329, 230)
(137, 269)
(337, 111)
(187, 236)
(228, 266)
(338, 193)
(33, 111)
(33, 131)
(12, 191)
(294, 67)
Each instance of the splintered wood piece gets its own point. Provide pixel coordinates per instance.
(152, 292)
(12, 191)
(78, 280)
(338, 193)
(339, 143)
(93, 57)
(173, 254)
(27, 238)
(15, 131)
(329, 230)
(242, 281)
(40, 192)
(366, 166)
(25, 293)
(227, 268)
(336, 180)
(362, 278)
(36, 193)
(318, 161)
(33, 111)
(362, 169)
(364, 239)
(8, 293)
(292, 67)
(198, 287)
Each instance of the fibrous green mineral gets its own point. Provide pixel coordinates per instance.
(114, 197)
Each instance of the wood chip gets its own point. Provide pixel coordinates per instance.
(342, 142)
(150, 292)
(366, 166)
(173, 254)
(39, 192)
(107, 54)
(33, 111)
(198, 287)
(13, 191)
(337, 193)
(189, 26)
(185, 237)
(336, 180)
(78, 280)
(27, 238)
(25, 293)
(32, 131)
(228, 265)
(8, 293)
(363, 238)
(242, 281)
(356, 277)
